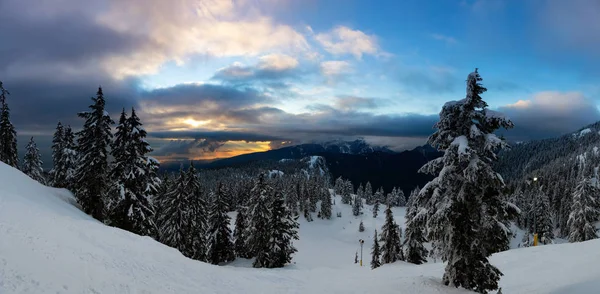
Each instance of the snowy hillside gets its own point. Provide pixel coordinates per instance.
(48, 246)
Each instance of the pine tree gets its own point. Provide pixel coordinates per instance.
(414, 251)
(219, 244)
(543, 218)
(356, 206)
(401, 199)
(464, 203)
(584, 212)
(175, 219)
(259, 217)
(92, 167)
(360, 192)
(239, 234)
(375, 253)
(132, 208)
(57, 176)
(379, 196)
(391, 249)
(8, 135)
(375, 208)
(283, 229)
(361, 227)
(368, 194)
(325, 203)
(68, 163)
(198, 214)
(32, 163)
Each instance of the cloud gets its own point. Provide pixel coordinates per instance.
(343, 40)
(269, 68)
(353, 102)
(335, 68)
(277, 62)
(125, 38)
(447, 39)
(571, 25)
(550, 114)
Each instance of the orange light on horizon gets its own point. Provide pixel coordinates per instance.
(229, 149)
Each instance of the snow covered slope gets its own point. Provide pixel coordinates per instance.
(48, 246)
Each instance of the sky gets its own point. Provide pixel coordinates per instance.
(218, 78)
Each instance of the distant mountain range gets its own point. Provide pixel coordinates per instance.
(356, 160)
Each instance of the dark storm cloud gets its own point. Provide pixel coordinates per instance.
(190, 94)
(215, 135)
(550, 114)
(37, 105)
(247, 74)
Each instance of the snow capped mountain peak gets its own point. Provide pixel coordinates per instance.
(358, 146)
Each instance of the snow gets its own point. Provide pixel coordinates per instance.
(582, 133)
(275, 173)
(463, 144)
(47, 245)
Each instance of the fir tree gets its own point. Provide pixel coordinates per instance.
(400, 198)
(259, 217)
(375, 253)
(543, 218)
(92, 168)
(375, 208)
(68, 163)
(219, 244)
(8, 135)
(391, 249)
(584, 212)
(57, 176)
(325, 203)
(283, 229)
(361, 227)
(32, 163)
(239, 234)
(368, 194)
(175, 219)
(414, 251)
(464, 203)
(133, 210)
(198, 214)
(356, 206)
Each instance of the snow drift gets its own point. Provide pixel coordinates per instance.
(47, 245)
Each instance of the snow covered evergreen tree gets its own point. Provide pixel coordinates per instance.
(356, 206)
(259, 217)
(325, 203)
(8, 135)
(361, 227)
(32, 163)
(175, 218)
(543, 218)
(400, 198)
(464, 202)
(375, 253)
(375, 208)
(283, 229)
(92, 167)
(57, 176)
(68, 163)
(368, 194)
(414, 250)
(132, 208)
(198, 214)
(584, 212)
(219, 244)
(379, 196)
(391, 249)
(239, 234)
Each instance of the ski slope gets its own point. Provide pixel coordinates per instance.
(48, 246)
